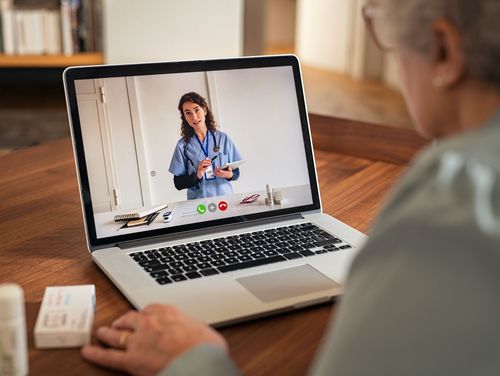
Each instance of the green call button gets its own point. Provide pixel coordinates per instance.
(201, 209)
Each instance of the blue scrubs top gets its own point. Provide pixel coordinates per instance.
(180, 165)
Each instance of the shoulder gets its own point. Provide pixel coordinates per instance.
(447, 207)
(221, 137)
(455, 185)
(220, 134)
(451, 157)
(437, 240)
(478, 146)
(181, 144)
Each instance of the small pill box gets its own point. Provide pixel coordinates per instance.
(65, 317)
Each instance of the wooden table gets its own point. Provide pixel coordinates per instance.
(42, 240)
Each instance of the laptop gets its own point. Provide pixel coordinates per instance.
(226, 245)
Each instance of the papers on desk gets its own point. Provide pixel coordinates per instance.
(141, 221)
(139, 213)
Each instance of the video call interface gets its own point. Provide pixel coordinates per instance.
(168, 150)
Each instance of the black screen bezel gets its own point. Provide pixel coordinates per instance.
(106, 71)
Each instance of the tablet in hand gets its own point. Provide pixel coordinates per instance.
(234, 165)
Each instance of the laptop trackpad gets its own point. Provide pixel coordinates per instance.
(286, 283)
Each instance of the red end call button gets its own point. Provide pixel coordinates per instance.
(222, 205)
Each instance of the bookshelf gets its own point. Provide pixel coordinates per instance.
(50, 61)
(50, 33)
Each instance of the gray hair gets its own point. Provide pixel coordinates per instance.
(477, 21)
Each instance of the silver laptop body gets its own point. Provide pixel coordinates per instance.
(125, 126)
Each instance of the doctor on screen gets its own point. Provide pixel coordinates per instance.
(202, 151)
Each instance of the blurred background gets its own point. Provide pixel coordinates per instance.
(344, 74)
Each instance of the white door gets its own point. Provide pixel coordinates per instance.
(109, 144)
(123, 145)
(96, 144)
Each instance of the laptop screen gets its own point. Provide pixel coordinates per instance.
(169, 147)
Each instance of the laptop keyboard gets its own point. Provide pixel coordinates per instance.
(209, 257)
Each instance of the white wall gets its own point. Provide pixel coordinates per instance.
(157, 30)
(280, 23)
(324, 33)
(331, 35)
(258, 109)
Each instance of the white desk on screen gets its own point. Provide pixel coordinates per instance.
(184, 212)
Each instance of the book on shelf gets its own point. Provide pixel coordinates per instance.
(52, 32)
(50, 27)
(8, 37)
(30, 32)
(1, 38)
(66, 33)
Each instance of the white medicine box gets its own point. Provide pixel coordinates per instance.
(65, 317)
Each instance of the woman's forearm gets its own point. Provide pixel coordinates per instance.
(186, 181)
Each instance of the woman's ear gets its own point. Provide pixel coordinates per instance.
(448, 57)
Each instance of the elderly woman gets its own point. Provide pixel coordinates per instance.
(422, 296)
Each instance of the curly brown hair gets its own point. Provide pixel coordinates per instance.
(186, 130)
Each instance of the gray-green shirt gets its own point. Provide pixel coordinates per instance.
(423, 295)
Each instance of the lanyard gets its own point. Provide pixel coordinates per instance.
(205, 147)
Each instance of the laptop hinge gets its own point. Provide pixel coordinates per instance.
(209, 231)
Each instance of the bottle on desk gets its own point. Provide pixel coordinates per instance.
(13, 343)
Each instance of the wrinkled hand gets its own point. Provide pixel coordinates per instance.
(226, 173)
(153, 338)
(202, 167)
